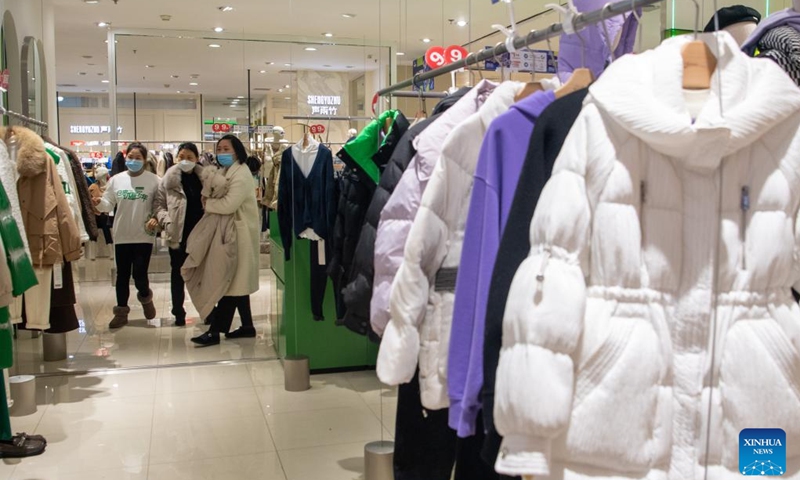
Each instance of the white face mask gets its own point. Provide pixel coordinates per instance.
(186, 166)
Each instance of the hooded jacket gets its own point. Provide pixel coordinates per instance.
(653, 316)
(358, 293)
(169, 204)
(399, 212)
(421, 304)
(364, 158)
(53, 235)
(496, 174)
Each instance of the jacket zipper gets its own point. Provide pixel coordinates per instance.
(745, 207)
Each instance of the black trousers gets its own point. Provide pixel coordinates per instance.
(132, 259)
(222, 316)
(319, 280)
(104, 224)
(425, 448)
(176, 259)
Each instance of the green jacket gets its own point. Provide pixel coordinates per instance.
(22, 274)
(361, 149)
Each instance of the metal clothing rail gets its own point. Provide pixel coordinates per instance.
(23, 118)
(407, 94)
(535, 36)
(326, 118)
(178, 142)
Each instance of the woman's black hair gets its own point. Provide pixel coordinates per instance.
(191, 147)
(238, 147)
(254, 164)
(137, 146)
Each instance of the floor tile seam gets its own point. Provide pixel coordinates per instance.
(152, 428)
(269, 430)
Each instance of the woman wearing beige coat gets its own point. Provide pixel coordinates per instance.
(240, 202)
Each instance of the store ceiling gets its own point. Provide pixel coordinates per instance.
(403, 22)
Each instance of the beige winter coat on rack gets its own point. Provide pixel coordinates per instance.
(53, 235)
(657, 287)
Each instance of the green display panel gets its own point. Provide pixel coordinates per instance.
(295, 332)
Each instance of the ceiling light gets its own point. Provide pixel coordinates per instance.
(462, 23)
(287, 64)
(280, 90)
(214, 45)
(426, 40)
(287, 98)
(262, 71)
(103, 24)
(115, 41)
(103, 81)
(225, 8)
(287, 86)
(400, 54)
(149, 66)
(91, 2)
(219, 29)
(240, 97)
(270, 63)
(310, 49)
(328, 34)
(180, 91)
(193, 84)
(60, 98)
(349, 15)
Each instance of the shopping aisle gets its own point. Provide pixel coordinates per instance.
(204, 422)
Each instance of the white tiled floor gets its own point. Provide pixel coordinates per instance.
(204, 422)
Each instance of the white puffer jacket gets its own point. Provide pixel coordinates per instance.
(651, 231)
(421, 314)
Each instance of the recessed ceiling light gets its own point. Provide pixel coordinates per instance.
(328, 34)
(462, 23)
(280, 90)
(287, 98)
(426, 40)
(193, 84)
(91, 2)
(225, 8)
(310, 49)
(270, 63)
(240, 97)
(219, 29)
(103, 24)
(103, 81)
(287, 86)
(262, 71)
(115, 41)
(60, 98)
(400, 54)
(213, 45)
(349, 15)
(149, 66)
(287, 64)
(180, 91)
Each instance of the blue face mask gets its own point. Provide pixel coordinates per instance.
(225, 159)
(134, 165)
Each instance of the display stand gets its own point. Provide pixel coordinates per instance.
(294, 331)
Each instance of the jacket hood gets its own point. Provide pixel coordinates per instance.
(32, 157)
(644, 94)
(360, 150)
(172, 178)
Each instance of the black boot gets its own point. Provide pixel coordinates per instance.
(207, 339)
(180, 320)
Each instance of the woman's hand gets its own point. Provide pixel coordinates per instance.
(151, 225)
(96, 201)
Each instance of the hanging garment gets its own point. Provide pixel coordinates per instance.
(399, 212)
(358, 293)
(64, 170)
(496, 175)
(652, 231)
(20, 275)
(786, 17)
(84, 198)
(63, 317)
(272, 174)
(52, 233)
(306, 194)
(782, 45)
(423, 291)
(9, 176)
(593, 51)
(364, 157)
(551, 129)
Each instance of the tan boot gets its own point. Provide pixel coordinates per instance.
(120, 317)
(147, 305)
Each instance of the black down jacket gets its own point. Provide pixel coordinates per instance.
(357, 293)
(357, 189)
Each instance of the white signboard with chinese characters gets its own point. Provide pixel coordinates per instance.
(324, 104)
(89, 129)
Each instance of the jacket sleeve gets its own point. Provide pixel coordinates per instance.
(544, 315)
(331, 202)
(442, 204)
(68, 230)
(109, 199)
(82, 192)
(285, 204)
(160, 204)
(239, 190)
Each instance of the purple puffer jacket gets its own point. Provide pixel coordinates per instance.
(598, 52)
(399, 212)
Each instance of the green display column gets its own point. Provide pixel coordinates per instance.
(327, 345)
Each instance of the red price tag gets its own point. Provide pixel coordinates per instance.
(454, 53)
(215, 127)
(96, 155)
(77, 143)
(317, 129)
(221, 128)
(435, 57)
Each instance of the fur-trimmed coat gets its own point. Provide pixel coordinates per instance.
(169, 204)
(53, 235)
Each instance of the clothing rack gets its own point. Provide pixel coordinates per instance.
(327, 118)
(407, 94)
(176, 142)
(24, 119)
(535, 36)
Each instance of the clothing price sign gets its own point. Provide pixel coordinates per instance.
(221, 128)
(455, 53)
(238, 129)
(435, 57)
(264, 129)
(544, 61)
(96, 155)
(316, 129)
